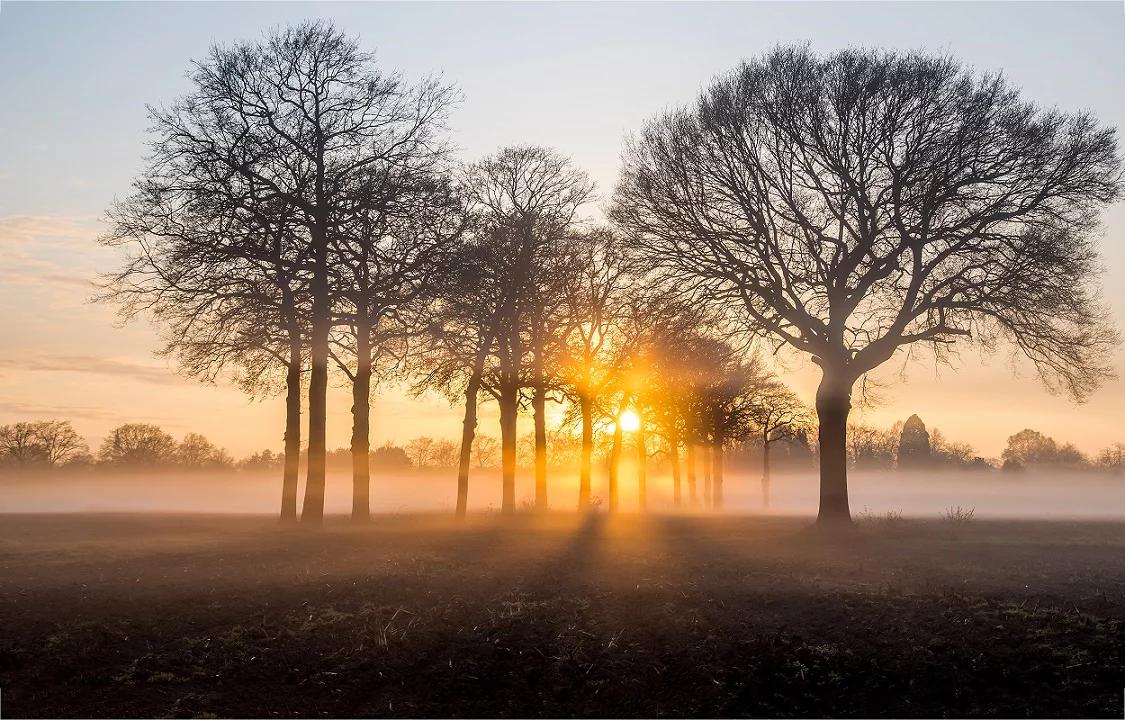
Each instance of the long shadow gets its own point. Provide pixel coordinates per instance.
(572, 565)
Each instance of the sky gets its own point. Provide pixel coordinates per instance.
(75, 80)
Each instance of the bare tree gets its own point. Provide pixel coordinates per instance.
(861, 203)
(528, 199)
(775, 414)
(46, 442)
(595, 313)
(387, 258)
(301, 117)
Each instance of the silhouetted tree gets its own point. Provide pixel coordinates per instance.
(195, 452)
(868, 201)
(138, 445)
(385, 264)
(914, 444)
(301, 117)
(775, 414)
(527, 199)
(49, 443)
(596, 295)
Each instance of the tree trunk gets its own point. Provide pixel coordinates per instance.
(586, 462)
(468, 434)
(313, 510)
(717, 473)
(674, 458)
(361, 427)
(614, 465)
(539, 410)
(292, 434)
(766, 471)
(833, 403)
(707, 489)
(693, 486)
(509, 409)
(642, 469)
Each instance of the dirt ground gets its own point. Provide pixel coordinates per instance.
(198, 616)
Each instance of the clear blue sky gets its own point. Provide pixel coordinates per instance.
(75, 79)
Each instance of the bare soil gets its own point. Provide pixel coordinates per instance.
(202, 616)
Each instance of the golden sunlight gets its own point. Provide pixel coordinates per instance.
(630, 421)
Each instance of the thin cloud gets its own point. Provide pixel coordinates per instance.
(95, 365)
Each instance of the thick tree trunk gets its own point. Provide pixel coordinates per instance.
(509, 410)
(674, 458)
(586, 463)
(833, 403)
(539, 410)
(468, 434)
(766, 472)
(642, 469)
(313, 510)
(705, 449)
(292, 434)
(693, 486)
(361, 428)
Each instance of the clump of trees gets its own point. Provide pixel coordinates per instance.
(301, 213)
(45, 443)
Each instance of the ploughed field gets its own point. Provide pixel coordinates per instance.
(195, 616)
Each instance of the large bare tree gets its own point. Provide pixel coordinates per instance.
(302, 116)
(864, 202)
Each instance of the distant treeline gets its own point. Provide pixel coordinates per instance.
(909, 445)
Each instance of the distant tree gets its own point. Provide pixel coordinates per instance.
(138, 445)
(1030, 447)
(195, 452)
(390, 457)
(1112, 458)
(420, 450)
(957, 454)
(914, 444)
(871, 448)
(264, 460)
(776, 414)
(47, 442)
(861, 203)
(444, 453)
(487, 450)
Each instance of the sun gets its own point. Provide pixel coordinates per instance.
(630, 421)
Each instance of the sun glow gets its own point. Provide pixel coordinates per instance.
(630, 421)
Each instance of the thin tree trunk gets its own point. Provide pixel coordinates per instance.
(468, 434)
(539, 410)
(313, 510)
(642, 469)
(509, 408)
(674, 458)
(833, 403)
(693, 486)
(765, 471)
(361, 427)
(717, 473)
(705, 449)
(614, 465)
(586, 463)
(292, 433)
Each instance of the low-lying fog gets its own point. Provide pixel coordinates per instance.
(915, 494)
